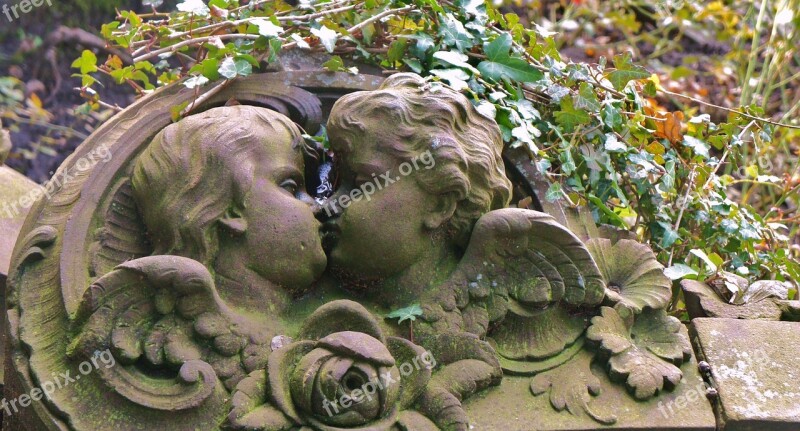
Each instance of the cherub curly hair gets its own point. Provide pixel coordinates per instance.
(196, 171)
(466, 146)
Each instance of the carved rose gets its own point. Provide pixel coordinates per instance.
(336, 379)
(346, 369)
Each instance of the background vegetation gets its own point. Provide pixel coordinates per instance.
(676, 120)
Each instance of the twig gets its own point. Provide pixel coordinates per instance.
(377, 17)
(783, 198)
(684, 204)
(733, 111)
(227, 24)
(205, 96)
(197, 41)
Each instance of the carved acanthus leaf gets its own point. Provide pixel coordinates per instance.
(646, 354)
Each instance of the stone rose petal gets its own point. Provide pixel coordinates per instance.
(338, 316)
(329, 379)
(358, 345)
(406, 352)
(305, 375)
(280, 365)
(387, 423)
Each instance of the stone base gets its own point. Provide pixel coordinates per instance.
(512, 407)
(754, 368)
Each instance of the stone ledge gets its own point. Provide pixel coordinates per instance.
(754, 369)
(511, 407)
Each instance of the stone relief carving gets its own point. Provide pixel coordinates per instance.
(205, 251)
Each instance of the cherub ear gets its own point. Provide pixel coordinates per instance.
(442, 212)
(234, 222)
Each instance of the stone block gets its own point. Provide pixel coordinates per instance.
(754, 368)
(702, 301)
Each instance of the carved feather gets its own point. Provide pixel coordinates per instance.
(522, 282)
(164, 312)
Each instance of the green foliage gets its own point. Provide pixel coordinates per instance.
(408, 313)
(590, 128)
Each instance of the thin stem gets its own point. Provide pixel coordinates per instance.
(197, 41)
(377, 17)
(734, 111)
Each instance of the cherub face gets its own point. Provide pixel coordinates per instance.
(281, 235)
(382, 234)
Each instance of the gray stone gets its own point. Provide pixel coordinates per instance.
(685, 408)
(15, 187)
(702, 301)
(754, 368)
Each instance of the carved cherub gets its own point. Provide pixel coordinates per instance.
(442, 236)
(223, 198)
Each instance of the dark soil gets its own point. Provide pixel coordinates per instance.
(45, 70)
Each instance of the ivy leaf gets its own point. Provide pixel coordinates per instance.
(335, 64)
(476, 8)
(569, 117)
(679, 271)
(500, 64)
(454, 33)
(267, 28)
(423, 44)
(301, 43)
(586, 98)
(396, 50)
(408, 313)
(613, 145)
(197, 7)
(327, 37)
(625, 72)
(612, 118)
(515, 69)
(87, 63)
(456, 59)
(553, 192)
(231, 68)
(497, 50)
(457, 78)
(699, 147)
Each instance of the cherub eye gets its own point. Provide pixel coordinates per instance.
(290, 186)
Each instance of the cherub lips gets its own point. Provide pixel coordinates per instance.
(330, 232)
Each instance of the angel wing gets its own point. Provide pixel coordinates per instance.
(523, 282)
(163, 313)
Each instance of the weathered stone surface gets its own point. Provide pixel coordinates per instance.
(702, 301)
(511, 407)
(177, 250)
(754, 368)
(15, 187)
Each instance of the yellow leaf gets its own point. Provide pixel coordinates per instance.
(114, 62)
(35, 100)
(654, 78)
(655, 148)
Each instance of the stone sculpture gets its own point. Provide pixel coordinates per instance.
(194, 258)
